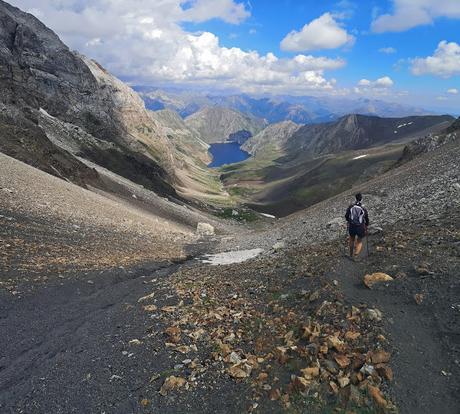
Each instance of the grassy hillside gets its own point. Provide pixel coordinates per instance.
(270, 186)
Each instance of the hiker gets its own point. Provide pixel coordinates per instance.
(358, 220)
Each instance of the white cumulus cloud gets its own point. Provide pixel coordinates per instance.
(144, 42)
(411, 13)
(384, 82)
(322, 33)
(445, 61)
(452, 91)
(387, 50)
(378, 87)
(227, 10)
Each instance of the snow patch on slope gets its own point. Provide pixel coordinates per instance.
(225, 258)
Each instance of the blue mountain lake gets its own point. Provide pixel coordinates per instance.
(226, 153)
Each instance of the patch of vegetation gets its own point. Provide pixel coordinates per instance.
(294, 184)
(242, 192)
(247, 216)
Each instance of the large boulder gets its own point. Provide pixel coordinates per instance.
(374, 278)
(205, 229)
(279, 245)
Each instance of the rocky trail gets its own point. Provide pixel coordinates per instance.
(421, 368)
(291, 330)
(71, 345)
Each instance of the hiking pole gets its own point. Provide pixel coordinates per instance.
(367, 244)
(347, 243)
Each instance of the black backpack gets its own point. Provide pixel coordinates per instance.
(357, 215)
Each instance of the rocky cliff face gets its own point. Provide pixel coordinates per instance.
(216, 124)
(431, 142)
(186, 139)
(38, 71)
(72, 107)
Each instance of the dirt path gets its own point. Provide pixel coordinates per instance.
(418, 358)
(65, 346)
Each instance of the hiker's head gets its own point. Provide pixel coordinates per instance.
(359, 197)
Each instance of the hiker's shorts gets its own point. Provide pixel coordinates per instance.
(359, 231)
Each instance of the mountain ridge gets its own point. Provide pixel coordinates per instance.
(299, 109)
(356, 131)
(46, 86)
(316, 161)
(217, 124)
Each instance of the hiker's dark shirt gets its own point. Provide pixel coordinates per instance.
(366, 215)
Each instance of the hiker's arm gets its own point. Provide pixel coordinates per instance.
(366, 217)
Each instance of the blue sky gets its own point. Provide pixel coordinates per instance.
(406, 51)
(270, 21)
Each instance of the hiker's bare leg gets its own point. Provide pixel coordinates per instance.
(352, 244)
(358, 246)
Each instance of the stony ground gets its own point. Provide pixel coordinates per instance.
(179, 338)
(99, 315)
(53, 227)
(36, 249)
(420, 308)
(292, 331)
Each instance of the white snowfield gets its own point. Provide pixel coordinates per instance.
(237, 256)
(403, 125)
(360, 156)
(268, 215)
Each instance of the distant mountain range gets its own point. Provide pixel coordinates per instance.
(68, 116)
(299, 109)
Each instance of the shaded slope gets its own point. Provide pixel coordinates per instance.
(353, 132)
(283, 188)
(86, 113)
(290, 171)
(25, 141)
(39, 71)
